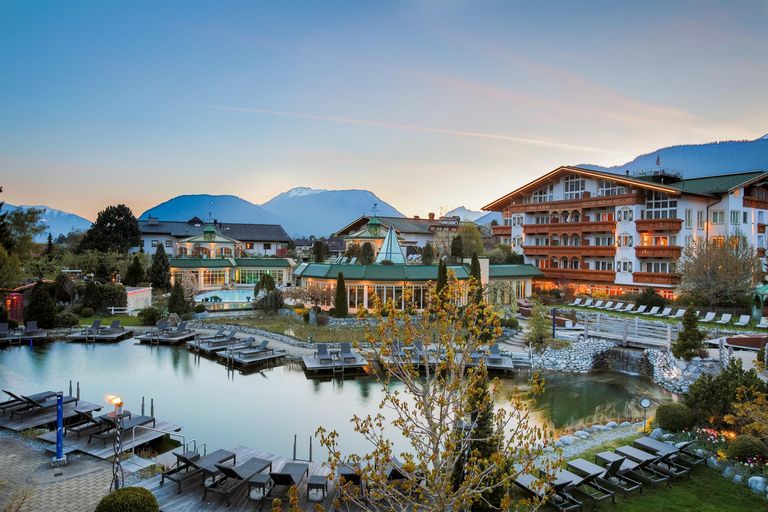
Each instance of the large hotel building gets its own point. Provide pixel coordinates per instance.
(598, 231)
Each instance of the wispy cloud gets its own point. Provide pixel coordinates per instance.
(415, 128)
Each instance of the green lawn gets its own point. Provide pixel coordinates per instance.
(127, 321)
(302, 331)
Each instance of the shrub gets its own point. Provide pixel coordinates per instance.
(510, 323)
(67, 320)
(649, 297)
(674, 417)
(42, 307)
(149, 316)
(690, 340)
(299, 305)
(200, 308)
(86, 312)
(129, 499)
(745, 446)
(322, 319)
(332, 311)
(12, 324)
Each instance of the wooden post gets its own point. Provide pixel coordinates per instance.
(669, 337)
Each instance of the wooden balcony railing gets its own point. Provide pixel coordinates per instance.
(655, 278)
(603, 276)
(502, 230)
(761, 228)
(659, 224)
(577, 204)
(658, 251)
(755, 202)
(569, 250)
(607, 226)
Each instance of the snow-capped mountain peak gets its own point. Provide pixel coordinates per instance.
(303, 191)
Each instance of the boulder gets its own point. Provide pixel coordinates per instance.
(625, 424)
(738, 479)
(728, 472)
(581, 434)
(667, 437)
(598, 428)
(713, 463)
(656, 433)
(757, 484)
(611, 424)
(566, 440)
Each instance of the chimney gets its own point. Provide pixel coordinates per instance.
(416, 217)
(431, 215)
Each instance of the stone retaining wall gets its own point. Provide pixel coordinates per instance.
(579, 357)
(677, 375)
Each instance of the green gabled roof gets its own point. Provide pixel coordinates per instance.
(376, 272)
(262, 262)
(200, 262)
(526, 270)
(716, 184)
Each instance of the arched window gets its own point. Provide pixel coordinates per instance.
(554, 218)
(564, 217)
(575, 216)
(554, 240)
(563, 262)
(554, 263)
(564, 240)
(575, 263)
(624, 240)
(575, 240)
(183, 251)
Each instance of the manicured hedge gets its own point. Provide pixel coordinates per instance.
(674, 417)
(129, 499)
(746, 446)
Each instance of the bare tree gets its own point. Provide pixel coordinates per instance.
(314, 294)
(719, 271)
(435, 413)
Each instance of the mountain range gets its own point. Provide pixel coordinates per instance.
(56, 222)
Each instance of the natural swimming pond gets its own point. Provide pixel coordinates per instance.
(264, 410)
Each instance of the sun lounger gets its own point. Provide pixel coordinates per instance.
(346, 353)
(17, 401)
(763, 323)
(494, 354)
(262, 348)
(610, 477)
(34, 405)
(127, 425)
(85, 424)
(93, 328)
(32, 328)
(617, 306)
(597, 304)
(575, 302)
(585, 487)
(191, 464)
(586, 303)
(322, 354)
(725, 319)
(162, 325)
(666, 312)
(743, 321)
(115, 326)
(559, 497)
(640, 310)
(637, 471)
(219, 334)
(682, 455)
(628, 309)
(661, 464)
(292, 473)
(709, 317)
(607, 305)
(4, 331)
(653, 311)
(678, 314)
(179, 329)
(235, 478)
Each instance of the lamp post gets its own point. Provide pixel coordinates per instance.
(645, 403)
(117, 443)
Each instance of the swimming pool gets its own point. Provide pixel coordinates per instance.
(225, 296)
(264, 410)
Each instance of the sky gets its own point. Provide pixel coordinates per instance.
(429, 104)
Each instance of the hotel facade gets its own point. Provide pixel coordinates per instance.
(601, 232)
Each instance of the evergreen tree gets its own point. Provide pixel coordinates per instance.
(10, 269)
(116, 229)
(320, 251)
(428, 254)
(6, 239)
(134, 274)
(353, 251)
(538, 334)
(442, 277)
(63, 288)
(340, 302)
(41, 307)
(457, 248)
(366, 254)
(690, 341)
(160, 270)
(266, 283)
(474, 272)
(92, 296)
(177, 302)
(49, 246)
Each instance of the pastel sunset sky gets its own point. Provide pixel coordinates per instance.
(429, 104)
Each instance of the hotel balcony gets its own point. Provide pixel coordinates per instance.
(607, 226)
(655, 278)
(501, 230)
(761, 228)
(755, 202)
(577, 204)
(569, 250)
(761, 252)
(603, 276)
(659, 224)
(658, 251)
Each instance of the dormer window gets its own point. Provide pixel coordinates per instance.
(575, 186)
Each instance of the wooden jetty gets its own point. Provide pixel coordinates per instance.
(24, 339)
(212, 348)
(503, 365)
(104, 336)
(314, 367)
(190, 498)
(240, 360)
(167, 338)
(46, 417)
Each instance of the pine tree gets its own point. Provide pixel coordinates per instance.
(538, 334)
(690, 341)
(42, 307)
(10, 269)
(340, 303)
(457, 248)
(177, 302)
(266, 283)
(115, 229)
(366, 254)
(475, 273)
(320, 251)
(428, 254)
(160, 270)
(135, 272)
(49, 245)
(64, 289)
(6, 239)
(442, 277)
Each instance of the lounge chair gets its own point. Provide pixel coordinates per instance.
(662, 463)
(235, 478)
(346, 353)
(218, 335)
(678, 314)
(743, 321)
(638, 471)
(225, 339)
(586, 487)
(398, 352)
(179, 329)
(611, 477)
(34, 405)
(111, 426)
(260, 349)
(763, 323)
(4, 331)
(607, 305)
(681, 454)
(85, 424)
(725, 319)
(494, 354)
(652, 312)
(322, 354)
(161, 327)
(560, 498)
(617, 306)
(598, 304)
(575, 302)
(666, 312)
(190, 464)
(16, 401)
(628, 309)
(640, 310)
(418, 348)
(292, 473)
(93, 328)
(586, 303)
(115, 326)
(709, 317)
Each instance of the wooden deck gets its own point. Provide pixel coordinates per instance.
(45, 418)
(506, 365)
(190, 498)
(22, 339)
(240, 361)
(97, 447)
(168, 338)
(102, 337)
(314, 367)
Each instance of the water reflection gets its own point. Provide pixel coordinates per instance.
(265, 409)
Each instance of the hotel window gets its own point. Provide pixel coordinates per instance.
(214, 277)
(735, 215)
(517, 220)
(543, 195)
(688, 218)
(761, 217)
(604, 217)
(155, 243)
(688, 241)
(249, 246)
(267, 246)
(542, 219)
(660, 206)
(718, 217)
(760, 242)
(624, 240)
(575, 186)
(625, 266)
(660, 267)
(718, 241)
(507, 221)
(517, 241)
(609, 188)
(625, 215)
(604, 265)
(745, 220)
(699, 219)
(603, 241)
(168, 243)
